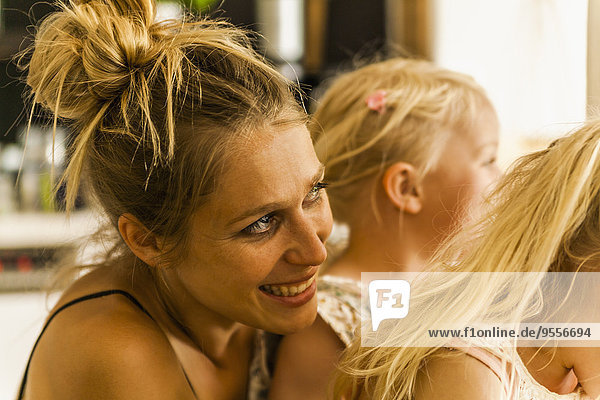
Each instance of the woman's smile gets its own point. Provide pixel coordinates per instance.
(296, 292)
(293, 295)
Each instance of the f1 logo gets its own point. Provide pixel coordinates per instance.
(388, 299)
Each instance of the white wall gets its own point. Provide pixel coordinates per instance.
(530, 55)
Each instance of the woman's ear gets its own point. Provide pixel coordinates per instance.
(143, 243)
(400, 183)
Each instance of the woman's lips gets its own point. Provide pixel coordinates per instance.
(289, 289)
(291, 295)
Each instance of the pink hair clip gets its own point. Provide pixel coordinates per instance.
(376, 101)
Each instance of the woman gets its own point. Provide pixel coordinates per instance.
(198, 154)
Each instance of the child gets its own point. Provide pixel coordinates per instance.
(543, 218)
(408, 149)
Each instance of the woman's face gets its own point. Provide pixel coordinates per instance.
(258, 242)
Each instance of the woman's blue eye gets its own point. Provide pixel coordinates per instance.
(262, 225)
(315, 192)
(267, 223)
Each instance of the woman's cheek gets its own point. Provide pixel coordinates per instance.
(261, 258)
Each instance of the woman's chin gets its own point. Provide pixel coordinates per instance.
(289, 324)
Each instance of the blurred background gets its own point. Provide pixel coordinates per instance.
(538, 59)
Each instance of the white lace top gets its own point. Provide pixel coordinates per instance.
(530, 389)
(339, 305)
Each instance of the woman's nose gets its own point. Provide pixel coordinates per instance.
(308, 238)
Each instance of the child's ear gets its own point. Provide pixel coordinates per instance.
(400, 183)
(144, 244)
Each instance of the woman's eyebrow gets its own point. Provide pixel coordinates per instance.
(274, 206)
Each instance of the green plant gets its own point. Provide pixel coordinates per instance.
(200, 5)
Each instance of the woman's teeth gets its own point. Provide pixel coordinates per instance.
(287, 290)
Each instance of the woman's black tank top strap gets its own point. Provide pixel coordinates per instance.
(79, 300)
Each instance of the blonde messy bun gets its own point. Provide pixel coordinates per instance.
(153, 105)
(89, 54)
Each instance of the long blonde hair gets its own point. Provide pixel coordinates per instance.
(423, 104)
(155, 107)
(544, 216)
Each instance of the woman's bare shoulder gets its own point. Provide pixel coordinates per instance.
(107, 347)
(305, 362)
(457, 376)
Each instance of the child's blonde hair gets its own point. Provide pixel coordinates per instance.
(545, 216)
(423, 104)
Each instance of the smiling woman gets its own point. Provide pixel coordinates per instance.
(197, 153)
(266, 238)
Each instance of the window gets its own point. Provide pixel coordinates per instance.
(530, 55)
